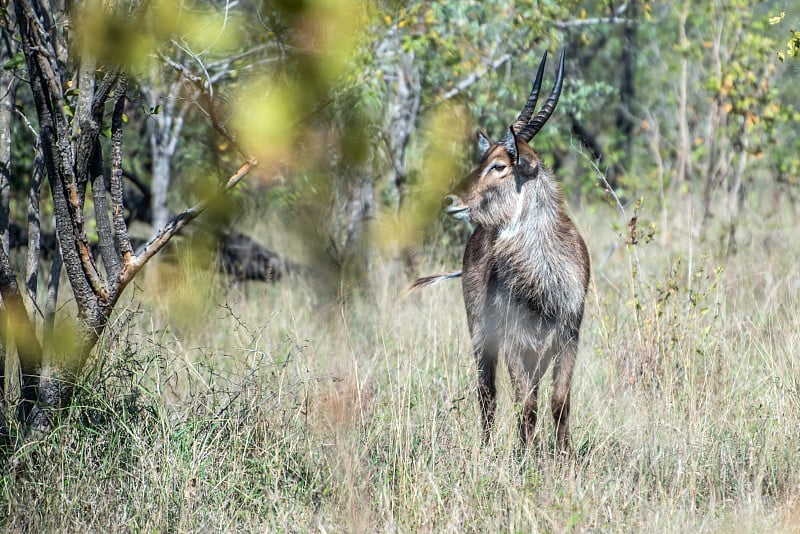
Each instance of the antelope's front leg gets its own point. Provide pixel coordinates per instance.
(486, 357)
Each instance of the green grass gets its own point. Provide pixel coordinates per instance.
(273, 410)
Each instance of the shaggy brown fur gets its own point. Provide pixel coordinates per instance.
(525, 272)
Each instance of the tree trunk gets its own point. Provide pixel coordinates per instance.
(160, 183)
(8, 363)
(351, 234)
(684, 145)
(627, 88)
(165, 126)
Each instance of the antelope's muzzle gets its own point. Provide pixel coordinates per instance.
(455, 208)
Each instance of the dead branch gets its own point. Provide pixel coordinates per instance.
(163, 236)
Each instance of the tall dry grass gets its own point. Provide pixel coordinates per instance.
(272, 410)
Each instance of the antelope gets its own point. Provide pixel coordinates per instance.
(525, 270)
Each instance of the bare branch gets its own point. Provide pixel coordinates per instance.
(206, 91)
(163, 236)
(34, 233)
(120, 227)
(472, 78)
(56, 37)
(105, 233)
(28, 125)
(563, 25)
(208, 84)
(224, 64)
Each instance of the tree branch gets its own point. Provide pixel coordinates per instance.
(472, 78)
(206, 91)
(105, 234)
(566, 24)
(118, 213)
(163, 236)
(34, 236)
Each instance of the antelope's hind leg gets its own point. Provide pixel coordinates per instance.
(528, 402)
(526, 372)
(562, 381)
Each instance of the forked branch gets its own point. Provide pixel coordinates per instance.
(135, 262)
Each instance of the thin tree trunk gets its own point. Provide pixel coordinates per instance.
(353, 226)
(684, 144)
(401, 120)
(34, 237)
(8, 363)
(736, 196)
(160, 183)
(627, 89)
(165, 130)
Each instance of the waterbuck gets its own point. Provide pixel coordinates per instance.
(525, 270)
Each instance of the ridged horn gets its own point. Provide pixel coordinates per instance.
(530, 105)
(532, 128)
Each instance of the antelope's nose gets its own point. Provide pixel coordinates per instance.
(455, 207)
(449, 202)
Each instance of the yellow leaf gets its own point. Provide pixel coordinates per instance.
(776, 20)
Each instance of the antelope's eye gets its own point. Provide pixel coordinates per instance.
(499, 167)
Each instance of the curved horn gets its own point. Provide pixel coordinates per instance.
(530, 105)
(533, 127)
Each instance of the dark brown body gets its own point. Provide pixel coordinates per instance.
(524, 284)
(525, 271)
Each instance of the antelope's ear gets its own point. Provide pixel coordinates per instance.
(483, 144)
(510, 144)
(528, 167)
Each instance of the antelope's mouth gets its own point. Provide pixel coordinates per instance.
(455, 208)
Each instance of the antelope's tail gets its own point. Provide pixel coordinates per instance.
(431, 280)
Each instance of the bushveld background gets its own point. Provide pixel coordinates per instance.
(330, 399)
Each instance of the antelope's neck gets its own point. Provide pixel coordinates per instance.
(534, 257)
(533, 231)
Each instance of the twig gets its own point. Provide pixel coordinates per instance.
(563, 25)
(163, 236)
(472, 78)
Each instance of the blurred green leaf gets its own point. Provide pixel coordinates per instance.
(16, 60)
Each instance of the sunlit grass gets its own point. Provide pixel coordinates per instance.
(274, 410)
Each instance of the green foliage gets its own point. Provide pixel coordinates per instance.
(16, 61)
(792, 45)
